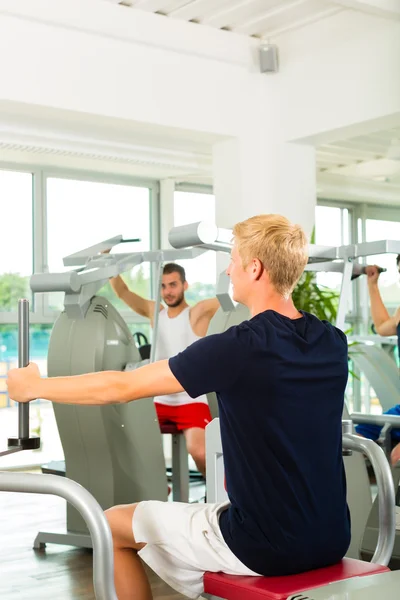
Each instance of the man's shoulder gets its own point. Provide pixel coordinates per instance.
(326, 325)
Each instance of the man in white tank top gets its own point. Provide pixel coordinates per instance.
(179, 326)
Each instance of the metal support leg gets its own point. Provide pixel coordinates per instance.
(180, 469)
(80, 540)
(91, 511)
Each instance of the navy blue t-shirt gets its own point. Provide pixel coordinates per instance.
(280, 385)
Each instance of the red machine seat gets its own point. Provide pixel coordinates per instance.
(170, 428)
(234, 587)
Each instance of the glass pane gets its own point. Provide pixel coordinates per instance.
(42, 420)
(82, 213)
(388, 282)
(16, 238)
(190, 207)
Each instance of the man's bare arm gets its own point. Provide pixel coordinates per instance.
(206, 308)
(201, 315)
(140, 305)
(389, 327)
(106, 387)
(384, 323)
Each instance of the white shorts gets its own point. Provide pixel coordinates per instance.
(183, 541)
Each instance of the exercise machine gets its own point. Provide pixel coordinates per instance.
(84, 503)
(114, 451)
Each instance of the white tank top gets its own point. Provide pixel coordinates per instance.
(175, 335)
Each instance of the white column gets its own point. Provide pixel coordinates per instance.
(256, 174)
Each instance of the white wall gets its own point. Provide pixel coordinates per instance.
(85, 66)
(102, 60)
(339, 77)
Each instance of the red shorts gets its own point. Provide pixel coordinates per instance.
(185, 416)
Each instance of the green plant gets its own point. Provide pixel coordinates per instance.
(316, 299)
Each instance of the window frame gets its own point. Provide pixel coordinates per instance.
(40, 314)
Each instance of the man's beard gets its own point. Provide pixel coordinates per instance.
(176, 302)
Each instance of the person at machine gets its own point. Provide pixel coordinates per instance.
(280, 380)
(179, 325)
(384, 325)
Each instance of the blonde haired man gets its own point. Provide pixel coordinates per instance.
(280, 379)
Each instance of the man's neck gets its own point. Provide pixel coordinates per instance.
(273, 301)
(174, 311)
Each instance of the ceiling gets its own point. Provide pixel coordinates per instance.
(359, 169)
(371, 161)
(259, 18)
(365, 156)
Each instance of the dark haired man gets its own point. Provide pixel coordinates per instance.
(179, 325)
(384, 325)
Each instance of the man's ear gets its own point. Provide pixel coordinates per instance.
(185, 286)
(257, 268)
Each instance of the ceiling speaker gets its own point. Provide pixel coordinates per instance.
(269, 58)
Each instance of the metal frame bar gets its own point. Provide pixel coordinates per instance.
(386, 495)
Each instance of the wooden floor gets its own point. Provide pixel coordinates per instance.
(56, 573)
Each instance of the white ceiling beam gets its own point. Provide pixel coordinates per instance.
(365, 143)
(358, 190)
(151, 5)
(172, 5)
(370, 170)
(287, 28)
(338, 160)
(283, 15)
(350, 153)
(281, 9)
(367, 148)
(239, 13)
(197, 9)
(389, 9)
(385, 137)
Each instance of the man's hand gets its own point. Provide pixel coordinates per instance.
(372, 273)
(23, 383)
(395, 455)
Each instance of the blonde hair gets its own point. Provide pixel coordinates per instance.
(278, 244)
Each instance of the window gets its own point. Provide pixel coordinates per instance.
(367, 223)
(191, 207)
(388, 282)
(16, 250)
(82, 213)
(63, 216)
